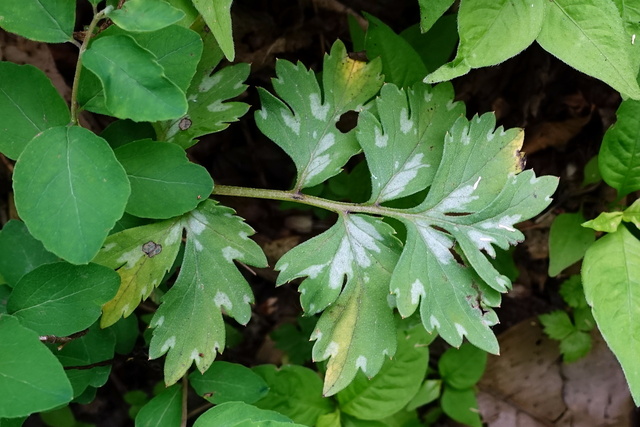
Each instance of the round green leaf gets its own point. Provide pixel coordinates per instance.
(145, 15)
(239, 414)
(134, 83)
(163, 410)
(31, 378)
(48, 21)
(61, 298)
(70, 191)
(228, 382)
(29, 104)
(160, 172)
(462, 368)
(20, 252)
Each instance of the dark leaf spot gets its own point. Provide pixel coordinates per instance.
(151, 249)
(185, 123)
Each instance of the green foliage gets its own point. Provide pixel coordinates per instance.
(145, 15)
(239, 414)
(568, 241)
(50, 22)
(229, 382)
(163, 410)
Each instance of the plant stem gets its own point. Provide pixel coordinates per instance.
(305, 199)
(185, 393)
(76, 79)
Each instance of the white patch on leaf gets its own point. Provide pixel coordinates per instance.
(450, 105)
(263, 114)
(246, 299)
(291, 121)
(218, 106)
(283, 267)
(243, 235)
(223, 299)
(417, 291)
(428, 96)
(198, 245)
(465, 138)
(130, 258)
(490, 135)
(318, 110)
(208, 82)
(380, 139)
(195, 354)
(174, 235)
(332, 350)
(320, 161)
(109, 246)
(361, 362)
(461, 330)
(482, 241)
(399, 182)
(169, 343)
(434, 322)
(313, 271)
(341, 264)
(230, 254)
(406, 124)
(158, 322)
(125, 309)
(197, 222)
(506, 223)
(438, 243)
(456, 200)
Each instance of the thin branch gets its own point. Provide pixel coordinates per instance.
(185, 393)
(54, 339)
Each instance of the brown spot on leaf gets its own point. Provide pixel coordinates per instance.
(151, 249)
(185, 123)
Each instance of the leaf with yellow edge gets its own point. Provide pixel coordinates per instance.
(141, 256)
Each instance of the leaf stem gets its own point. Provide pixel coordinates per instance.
(83, 47)
(305, 199)
(185, 393)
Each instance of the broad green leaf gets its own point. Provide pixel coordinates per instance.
(12, 422)
(611, 281)
(428, 392)
(239, 414)
(122, 132)
(630, 13)
(461, 405)
(60, 298)
(141, 256)
(632, 213)
(572, 292)
(437, 45)
(191, 13)
(476, 197)
(158, 172)
(557, 324)
(62, 417)
(126, 332)
(176, 49)
(411, 127)
(294, 391)
(135, 84)
(606, 221)
(591, 172)
(431, 11)
(619, 158)
(20, 252)
(70, 190)
(31, 378)
(401, 64)
(96, 346)
(348, 269)
(589, 35)
(568, 241)
(217, 15)
(5, 291)
(293, 339)
(145, 15)
(462, 367)
(393, 387)
(188, 325)
(304, 124)
(228, 382)
(492, 31)
(575, 346)
(163, 410)
(48, 21)
(29, 104)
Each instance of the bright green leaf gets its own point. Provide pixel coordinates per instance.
(583, 318)
(572, 292)
(217, 15)
(568, 241)
(228, 382)
(462, 368)
(60, 298)
(50, 21)
(611, 281)
(62, 417)
(239, 414)
(391, 388)
(431, 11)
(122, 132)
(304, 124)
(461, 405)
(606, 221)
(557, 324)
(293, 339)
(141, 256)
(619, 157)
(188, 325)
(428, 392)
(5, 291)
(589, 35)
(145, 15)
(161, 172)
(401, 64)
(632, 213)
(135, 84)
(575, 346)
(409, 133)
(491, 31)
(163, 410)
(126, 332)
(294, 391)
(29, 104)
(591, 172)
(191, 13)
(12, 422)
(437, 45)
(357, 332)
(31, 378)
(70, 191)
(20, 252)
